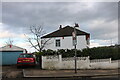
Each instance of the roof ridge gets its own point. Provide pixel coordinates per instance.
(12, 45)
(65, 31)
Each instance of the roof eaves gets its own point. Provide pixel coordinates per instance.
(50, 35)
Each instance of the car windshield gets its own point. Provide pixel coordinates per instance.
(26, 56)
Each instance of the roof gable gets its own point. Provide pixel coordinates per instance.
(63, 32)
(11, 48)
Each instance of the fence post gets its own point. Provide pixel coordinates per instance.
(110, 60)
(60, 58)
(88, 59)
(60, 61)
(42, 62)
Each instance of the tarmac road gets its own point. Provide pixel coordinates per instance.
(13, 69)
(72, 78)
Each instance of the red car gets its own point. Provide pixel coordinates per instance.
(26, 59)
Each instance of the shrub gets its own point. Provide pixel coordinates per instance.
(94, 53)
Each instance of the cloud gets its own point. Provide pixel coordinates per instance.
(98, 43)
(94, 45)
(0, 12)
(101, 29)
(7, 34)
(97, 18)
(26, 46)
(22, 15)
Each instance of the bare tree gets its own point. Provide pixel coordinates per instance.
(35, 38)
(9, 41)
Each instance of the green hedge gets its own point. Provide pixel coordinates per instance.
(102, 53)
(94, 53)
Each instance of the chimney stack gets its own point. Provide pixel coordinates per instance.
(10, 46)
(60, 27)
(76, 25)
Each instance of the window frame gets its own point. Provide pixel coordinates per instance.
(57, 43)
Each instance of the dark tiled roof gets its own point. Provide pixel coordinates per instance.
(63, 32)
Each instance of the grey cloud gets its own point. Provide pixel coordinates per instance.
(22, 15)
(106, 30)
(0, 12)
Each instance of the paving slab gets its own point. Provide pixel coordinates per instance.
(11, 72)
(68, 73)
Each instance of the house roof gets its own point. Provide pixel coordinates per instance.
(63, 32)
(11, 48)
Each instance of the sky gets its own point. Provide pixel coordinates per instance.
(100, 19)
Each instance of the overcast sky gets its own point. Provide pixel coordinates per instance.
(100, 19)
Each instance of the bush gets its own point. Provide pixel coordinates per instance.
(102, 53)
(94, 53)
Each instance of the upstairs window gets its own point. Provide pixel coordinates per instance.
(58, 43)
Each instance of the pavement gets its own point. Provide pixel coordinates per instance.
(11, 72)
(30, 73)
(68, 73)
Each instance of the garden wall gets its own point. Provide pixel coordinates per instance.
(57, 62)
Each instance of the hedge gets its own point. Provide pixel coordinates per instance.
(94, 53)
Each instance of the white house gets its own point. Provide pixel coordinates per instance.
(62, 39)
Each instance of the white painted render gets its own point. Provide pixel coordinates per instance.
(57, 62)
(66, 43)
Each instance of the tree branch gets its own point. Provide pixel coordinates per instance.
(37, 32)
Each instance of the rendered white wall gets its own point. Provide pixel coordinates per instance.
(82, 63)
(67, 43)
(104, 65)
(58, 63)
